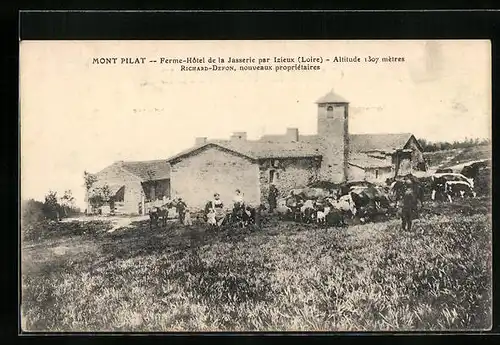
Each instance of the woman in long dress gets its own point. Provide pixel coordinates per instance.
(218, 207)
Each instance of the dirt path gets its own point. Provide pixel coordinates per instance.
(117, 221)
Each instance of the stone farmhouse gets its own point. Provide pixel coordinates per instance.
(290, 160)
(132, 185)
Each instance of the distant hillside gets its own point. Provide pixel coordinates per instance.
(438, 158)
(447, 158)
(473, 153)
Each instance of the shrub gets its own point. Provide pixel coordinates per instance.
(32, 211)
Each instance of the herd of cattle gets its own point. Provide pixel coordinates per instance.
(360, 200)
(366, 201)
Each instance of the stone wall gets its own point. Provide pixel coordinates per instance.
(355, 173)
(197, 177)
(380, 178)
(133, 189)
(293, 173)
(405, 166)
(417, 156)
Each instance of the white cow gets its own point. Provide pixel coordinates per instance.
(283, 211)
(344, 204)
(307, 204)
(458, 188)
(321, 215)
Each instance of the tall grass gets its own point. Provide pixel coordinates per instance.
(286, 277)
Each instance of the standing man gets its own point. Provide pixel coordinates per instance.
(181, 209)
(409, 208)
(272, 197)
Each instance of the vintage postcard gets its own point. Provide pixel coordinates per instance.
(265, 186)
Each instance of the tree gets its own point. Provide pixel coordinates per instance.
(98, 196)
(51, 207)
(90, 179)
(67, 202)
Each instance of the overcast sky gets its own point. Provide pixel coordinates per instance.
(78, 116)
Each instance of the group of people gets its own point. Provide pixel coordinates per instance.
(161, 212)
(214, 209)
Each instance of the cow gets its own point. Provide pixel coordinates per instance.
(308, 211)
(369, 202)
(335, 217)
(344, 204)
(314, 193)
(284, 212)
(157, 215)
(321, 214)
(458, 189)
(399, 186)
(438, 187)
(347, 187)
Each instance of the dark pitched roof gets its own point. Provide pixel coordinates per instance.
(358, 142)
(275, 150)
(331, 97)
(378, 142)
(148, 170)
(256, 150)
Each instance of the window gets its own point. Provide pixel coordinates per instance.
(376, 173)
(329, 112)
(273, 176)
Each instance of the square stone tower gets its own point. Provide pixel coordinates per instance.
(333, 136)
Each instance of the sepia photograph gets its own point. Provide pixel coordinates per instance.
(255, 186)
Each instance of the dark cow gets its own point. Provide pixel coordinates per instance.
(335, 218)
(438, 189)
(400, 185)
(346, 187)
(472, 171)
(158, 216)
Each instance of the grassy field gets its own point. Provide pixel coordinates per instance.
(285, 277)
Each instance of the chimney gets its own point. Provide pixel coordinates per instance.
(200, 140)
(292, 134)
(239, 136)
